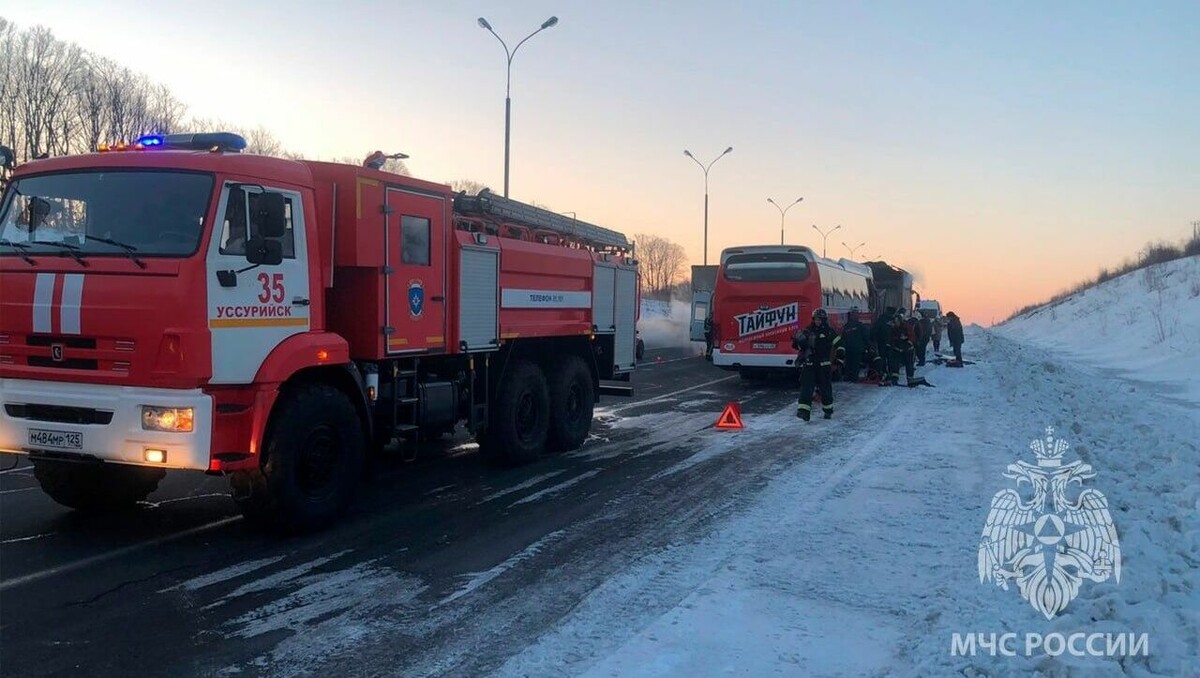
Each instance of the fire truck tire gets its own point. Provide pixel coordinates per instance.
(571, 403)
(520, 417)
(96, 487)
(315, 451)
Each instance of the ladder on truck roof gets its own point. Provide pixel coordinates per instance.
(507, 210)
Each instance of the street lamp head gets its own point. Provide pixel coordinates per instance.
(550, 22)
(771, 201)
(728, 150)
(484, 24)
(688, 154)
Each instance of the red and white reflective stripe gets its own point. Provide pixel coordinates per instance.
(72, 297)
(69, 310)
(43, 299)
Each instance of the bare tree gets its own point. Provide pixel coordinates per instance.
(46, 69)
(260, 141)
(91, 108)
(468, 186)
(660, 263)
(396, 166)
(56, 98)
(9, 83)
(165, 111)
(128, 105)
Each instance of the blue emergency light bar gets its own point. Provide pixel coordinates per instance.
(209, 141)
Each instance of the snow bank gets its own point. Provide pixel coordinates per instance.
(1145, 324)
(667, 325)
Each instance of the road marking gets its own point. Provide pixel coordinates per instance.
(156, 504)
(110, 555)
(16, 470)
(554, 489)
(223, 574)
(666, 396)
(36, 536)
(652, 363)
(23, 489)
(517, 488)
(476, 580)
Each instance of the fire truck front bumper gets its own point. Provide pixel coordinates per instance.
(735, 360)
(164, 428)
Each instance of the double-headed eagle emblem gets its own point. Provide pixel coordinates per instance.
(1049, 542)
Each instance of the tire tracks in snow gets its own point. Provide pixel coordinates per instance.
(654, 531)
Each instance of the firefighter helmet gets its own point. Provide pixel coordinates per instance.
(820, 313)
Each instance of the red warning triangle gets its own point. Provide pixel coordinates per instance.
(731, 418)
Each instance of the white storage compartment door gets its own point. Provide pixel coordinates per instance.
(604, 283)
(624, 343)
(478, 307)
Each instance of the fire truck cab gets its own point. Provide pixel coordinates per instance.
(177, 304)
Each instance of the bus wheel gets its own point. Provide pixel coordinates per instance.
(95, 487)
(571, 403)
(520, 416)
(314, 453)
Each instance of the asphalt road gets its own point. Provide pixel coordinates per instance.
(445, 566)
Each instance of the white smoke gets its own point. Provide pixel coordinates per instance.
(667, 325)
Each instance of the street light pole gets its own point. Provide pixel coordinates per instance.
(782, 214)
(508, 84)
(825, 236)
(854, 249)
(689, 154)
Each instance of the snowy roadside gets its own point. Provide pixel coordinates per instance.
(862, 560)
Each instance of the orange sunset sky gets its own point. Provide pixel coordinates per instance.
(999, 151)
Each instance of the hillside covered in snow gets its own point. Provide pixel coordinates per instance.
(1144, 324)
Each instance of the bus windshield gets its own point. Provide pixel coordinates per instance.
(766, 267)
(155, 213)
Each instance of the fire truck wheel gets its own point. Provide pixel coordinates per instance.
(315, 452)
(520, 418)
(571, 403)
(96, 487)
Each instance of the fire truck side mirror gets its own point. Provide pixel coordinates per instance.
(269, 217)
(261, 251)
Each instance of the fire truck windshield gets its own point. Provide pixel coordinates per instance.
(106, 212)
(766, 267)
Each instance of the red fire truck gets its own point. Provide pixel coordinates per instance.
(177, 304)
(764, 293)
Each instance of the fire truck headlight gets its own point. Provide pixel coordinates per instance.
(175, 419)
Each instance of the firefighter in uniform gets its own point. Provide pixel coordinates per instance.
(855, 339)
(903, 351)
(954, 331)
(895, 341)
(815, 345)
(879, 342)
(924, 334)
